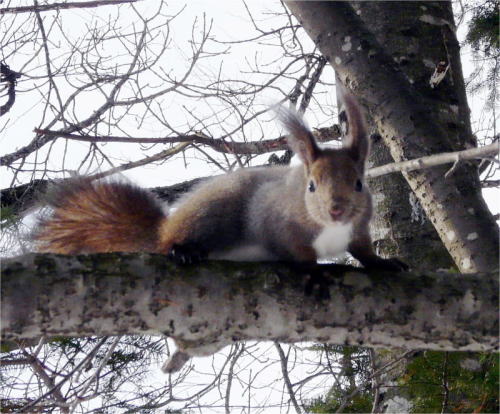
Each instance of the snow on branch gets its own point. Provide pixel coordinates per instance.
(206, 306)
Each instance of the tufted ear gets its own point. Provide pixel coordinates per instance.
(356, 139)
(300, 139)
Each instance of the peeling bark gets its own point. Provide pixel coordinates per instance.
(207, 306)
(400, 225)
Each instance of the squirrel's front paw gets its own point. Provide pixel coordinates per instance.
(187, 254)
(315, 283)
(393, 264)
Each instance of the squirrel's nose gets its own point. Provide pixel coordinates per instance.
(337, 207)
(336, 212)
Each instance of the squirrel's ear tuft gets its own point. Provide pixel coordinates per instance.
(300, 139)
(356, 139)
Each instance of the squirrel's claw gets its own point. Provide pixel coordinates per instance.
(393, 265)
(315, 284)
(186, 254)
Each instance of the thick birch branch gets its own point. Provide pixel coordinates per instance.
(207, 306)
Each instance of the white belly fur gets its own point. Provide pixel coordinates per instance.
(333, 240)
(244, 253)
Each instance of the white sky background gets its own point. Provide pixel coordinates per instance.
(230, 22)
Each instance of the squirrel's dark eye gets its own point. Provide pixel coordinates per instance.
(359, 186)
(311, 187)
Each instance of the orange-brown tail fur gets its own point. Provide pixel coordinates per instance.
(105, 216)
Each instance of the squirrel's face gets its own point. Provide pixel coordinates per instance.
(335, 190)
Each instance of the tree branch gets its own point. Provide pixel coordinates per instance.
(217, 144)
(10, 77)
(434, 160)
(207, 306)
(286, 377)
(490, 183)
(59, 6)
(18, 198)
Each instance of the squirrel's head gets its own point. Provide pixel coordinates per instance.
(335, 189)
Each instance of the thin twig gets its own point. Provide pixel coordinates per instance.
(446, 390)
(82, 363)
(286, 378)
(348, 397)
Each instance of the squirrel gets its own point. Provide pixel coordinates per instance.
(312, 211)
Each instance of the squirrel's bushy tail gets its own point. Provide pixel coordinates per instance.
(99, 216)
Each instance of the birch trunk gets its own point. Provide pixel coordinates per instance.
(400, 111)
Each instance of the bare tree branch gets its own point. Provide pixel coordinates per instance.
(218, 144)
(10, 77)
(286, 377)
(239, 349)
(123, 76)
(490, 183)
(160, 156)
(38, 368)
(434, 160)
(66, 378)
(323, 135)
(18, 198)
(59, 6)
(374, 374)
(444, 382)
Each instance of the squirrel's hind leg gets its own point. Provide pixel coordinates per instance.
(209, 219)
